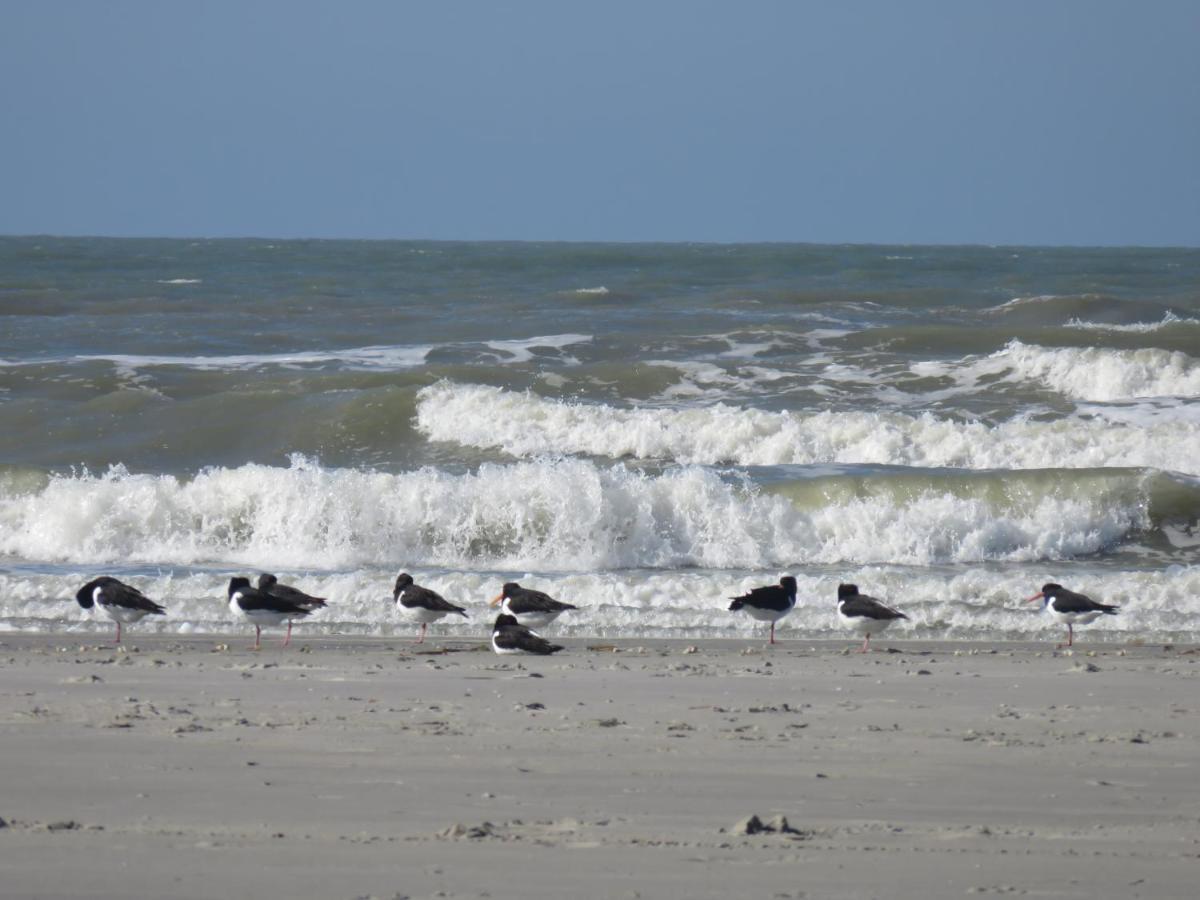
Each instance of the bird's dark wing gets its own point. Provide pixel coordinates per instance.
(252, 599)
(528, 601)
(770, 597)
(1071, 602)
(116, 593)
(518, 637)
(423, 598)
(869, 608)
(292, 595)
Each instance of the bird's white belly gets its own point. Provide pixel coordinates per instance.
(124, 614)
(420, 614)
(1077, 618)
(765, 615)
(536, 620)
(864, 625)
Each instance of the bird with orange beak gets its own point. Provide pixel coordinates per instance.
(531, 608)
(1070, 608)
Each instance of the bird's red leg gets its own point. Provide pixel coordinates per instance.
(118, 633)
(257, 636)
(421, 639)
(288, 638)
(772, 633)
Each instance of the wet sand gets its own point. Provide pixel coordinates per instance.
(188, 768)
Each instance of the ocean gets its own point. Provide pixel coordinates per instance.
(642, 430)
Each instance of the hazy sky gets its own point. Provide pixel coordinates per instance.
(1047, 122)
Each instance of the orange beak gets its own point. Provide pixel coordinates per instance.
(495, 601)
(1038, 596)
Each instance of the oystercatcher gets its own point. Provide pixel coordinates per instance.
(1071, 608)
(509, 637)
(864, 614)
(122, 603)
(421, 604)
(768, 604)
(531, 608)
(260, 608)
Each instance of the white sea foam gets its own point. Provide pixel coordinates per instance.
(601, 290)
(381, 357)
(180, 281)
(566, 514)
(1105, 375)
(973, 603)
(1169, 319)
(522, 350)
(1022, 301)
(526, 425)
(1080, 373)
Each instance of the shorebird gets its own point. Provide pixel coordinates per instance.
(421, 604)
(260, 608)
(768, 604)
(1071, 608)
(270, 584)
(864, 614)
(124, 604)
(509, 637)
(531, 608)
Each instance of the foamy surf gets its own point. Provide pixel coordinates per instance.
(524, 424)
(576, 515)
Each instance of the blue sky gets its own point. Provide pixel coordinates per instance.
(1052, 122)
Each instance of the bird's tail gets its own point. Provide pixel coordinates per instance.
(1109, 610)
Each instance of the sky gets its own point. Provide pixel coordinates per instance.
(1053, 122)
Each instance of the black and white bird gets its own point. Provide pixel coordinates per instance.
(768, 604)
(531, 608)
(864, 614)
(270, 584)
(509, 637)
(1070, 608)
(421, 604)
(260, 608)
(122, 603)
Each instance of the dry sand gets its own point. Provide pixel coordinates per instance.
(353, 768)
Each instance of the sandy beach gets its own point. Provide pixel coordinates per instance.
(375, 768)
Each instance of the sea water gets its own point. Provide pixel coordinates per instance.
(643, 430)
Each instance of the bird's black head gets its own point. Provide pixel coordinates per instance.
(509, 589)
(403, 580)
(788, 583)
(847, 590)
(1051, 588)
(504, 620)
(266, 581)
(237, 584)
(85, 595)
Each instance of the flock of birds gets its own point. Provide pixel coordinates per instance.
(522, 610)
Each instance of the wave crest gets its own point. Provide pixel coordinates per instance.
(526, 425)
(566, 515)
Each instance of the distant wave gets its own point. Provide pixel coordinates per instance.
(574, 515)
(526, 425)
(1080, 373)
(1169, 320)
(382, 357)
(180, 281)
(1104, 375)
